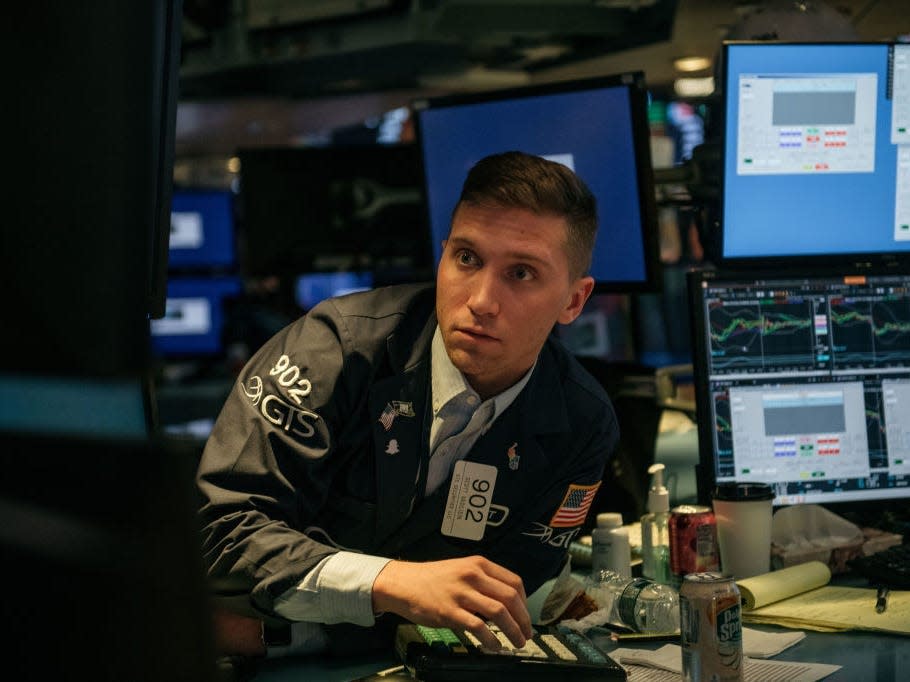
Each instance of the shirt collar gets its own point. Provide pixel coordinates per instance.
(448, 382)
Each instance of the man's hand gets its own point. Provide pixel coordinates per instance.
(236, 634)
(461, 594)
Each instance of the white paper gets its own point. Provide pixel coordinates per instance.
(669, 658)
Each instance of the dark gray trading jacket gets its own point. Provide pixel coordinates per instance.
(300, 465)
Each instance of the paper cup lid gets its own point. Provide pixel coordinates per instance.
(743, 492)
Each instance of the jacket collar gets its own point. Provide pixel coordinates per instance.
(409, 346)
(543, 401)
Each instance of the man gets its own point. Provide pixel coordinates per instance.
(427, 453)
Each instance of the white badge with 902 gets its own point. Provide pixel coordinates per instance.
(469, 500)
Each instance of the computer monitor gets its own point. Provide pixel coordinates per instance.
(598, 127)
(83, 249)
(126, 591)
(313, 287)
(202, 230)
(195, 316)
(324, 209)
(816, 163)
(803, 382)
(603, 330)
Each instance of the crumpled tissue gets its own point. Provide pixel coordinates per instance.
(809, 532)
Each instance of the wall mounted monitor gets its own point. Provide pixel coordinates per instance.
(803, 382)
(202, 229)
(597, 127)
(817, 153)
(195, 316)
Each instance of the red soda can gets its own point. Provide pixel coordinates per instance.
(693, 541)
(710, 627)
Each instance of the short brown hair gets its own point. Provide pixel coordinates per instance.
(518, 180)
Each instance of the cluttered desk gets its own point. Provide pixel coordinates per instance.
(808, 620)
(773, 650)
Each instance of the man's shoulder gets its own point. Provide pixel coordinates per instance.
(387, 301)
(397, 318)
(578, 382)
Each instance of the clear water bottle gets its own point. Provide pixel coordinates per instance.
(639, 604)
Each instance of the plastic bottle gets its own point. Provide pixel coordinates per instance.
(610, 546)
(655, 530)
(639, 604)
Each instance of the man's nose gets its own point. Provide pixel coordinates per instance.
(484, 298)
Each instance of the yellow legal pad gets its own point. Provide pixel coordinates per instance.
(800, 597)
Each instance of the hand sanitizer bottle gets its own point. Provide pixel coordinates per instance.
(655, 534)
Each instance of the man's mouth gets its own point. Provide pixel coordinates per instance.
(475, 333)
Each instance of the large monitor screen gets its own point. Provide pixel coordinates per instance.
(817, 152)
(803, 382)
(597, 127)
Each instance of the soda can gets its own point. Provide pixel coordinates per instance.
(710, 628)
(693, 541)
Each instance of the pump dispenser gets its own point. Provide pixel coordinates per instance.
(655, 532)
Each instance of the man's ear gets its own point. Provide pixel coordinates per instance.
(581, 291)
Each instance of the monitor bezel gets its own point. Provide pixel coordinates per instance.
(861, 262)
(705, 474)
(638, 97)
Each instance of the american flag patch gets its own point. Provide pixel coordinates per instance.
(388, 416)
(575, 505)
(396, 408)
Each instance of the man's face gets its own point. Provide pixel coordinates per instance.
(503, 282)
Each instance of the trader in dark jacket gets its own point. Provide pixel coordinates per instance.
(428, 452)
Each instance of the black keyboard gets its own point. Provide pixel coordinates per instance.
(889, 567)
(441, 655)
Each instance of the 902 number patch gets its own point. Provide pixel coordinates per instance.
(289, 377)
(470, 496)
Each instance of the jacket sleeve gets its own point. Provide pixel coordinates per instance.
(267, 466)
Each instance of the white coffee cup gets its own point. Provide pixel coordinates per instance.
(743, 515)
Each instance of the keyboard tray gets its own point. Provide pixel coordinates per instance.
(441, 655)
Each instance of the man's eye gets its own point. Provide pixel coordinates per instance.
(465, 257)
(522, 273)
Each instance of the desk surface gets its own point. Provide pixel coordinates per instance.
(862, 655)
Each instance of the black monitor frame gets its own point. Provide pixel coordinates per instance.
(85, 240)
(634, 84)
(859, 261)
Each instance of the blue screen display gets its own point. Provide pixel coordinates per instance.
(817, 150)
(311, 288)
(194, 317)
(202, 229)
(591, 129)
